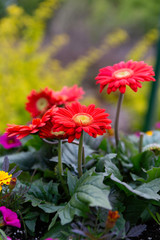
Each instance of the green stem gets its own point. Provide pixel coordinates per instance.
(80, 154)
(117, 118)
(60, 166)
(141, 142)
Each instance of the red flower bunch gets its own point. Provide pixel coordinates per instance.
(39, 102)
(119, 75)
(77, 118)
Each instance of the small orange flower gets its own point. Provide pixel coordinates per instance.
(111, 219)
(13, 183)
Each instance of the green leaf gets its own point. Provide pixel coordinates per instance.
(130, 144)
(89, 191)
(49, 207)
(134, 208)
(93, 143)
(31, 215)
(110, 167)
(143, 160)
(24, 160)
(31, 224)
(35, 141)
(53, 221)
(44, 217)
(146, 190)
(31, 159)
(3, 236)
(71, 181)
(137, 178)
(43, 195)
(102, 160)
(153, 174)
(57, 232)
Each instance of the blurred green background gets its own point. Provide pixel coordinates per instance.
(55, 43)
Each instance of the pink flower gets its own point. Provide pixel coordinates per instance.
(8, 238)
(9, 142)
(157, 125)
(10, 217)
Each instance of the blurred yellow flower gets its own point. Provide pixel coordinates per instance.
(149, 133)
(5, 178)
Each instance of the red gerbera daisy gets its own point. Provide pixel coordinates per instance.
(49, 114)
(22, 131)
(39, 102)
(67, 95)
(119, 75)
(75, 118)
(47, 130)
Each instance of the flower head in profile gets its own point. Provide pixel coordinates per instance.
(9, 217)
(22, 131)
(47, 130)
(9, 142)
(67, 95)
(39, 102)
(124, 74)
(5, 178)
(77, 118)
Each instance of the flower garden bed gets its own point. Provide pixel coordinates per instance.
(72, 176)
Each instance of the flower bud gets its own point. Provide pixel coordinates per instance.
(111, 219)
(13, 183)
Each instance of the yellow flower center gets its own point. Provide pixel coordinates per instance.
(82, 119)
(58, 133)
(5, 178)
(10, 141)
(62, 98)
(42, 104)
(123, 73)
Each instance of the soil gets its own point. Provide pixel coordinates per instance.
(19, 234)
(151, 233)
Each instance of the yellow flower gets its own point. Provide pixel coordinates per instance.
(149, 133)
(5, 178)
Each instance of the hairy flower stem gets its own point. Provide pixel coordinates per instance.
(60, 166)
(117, 118)
(80, 155)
